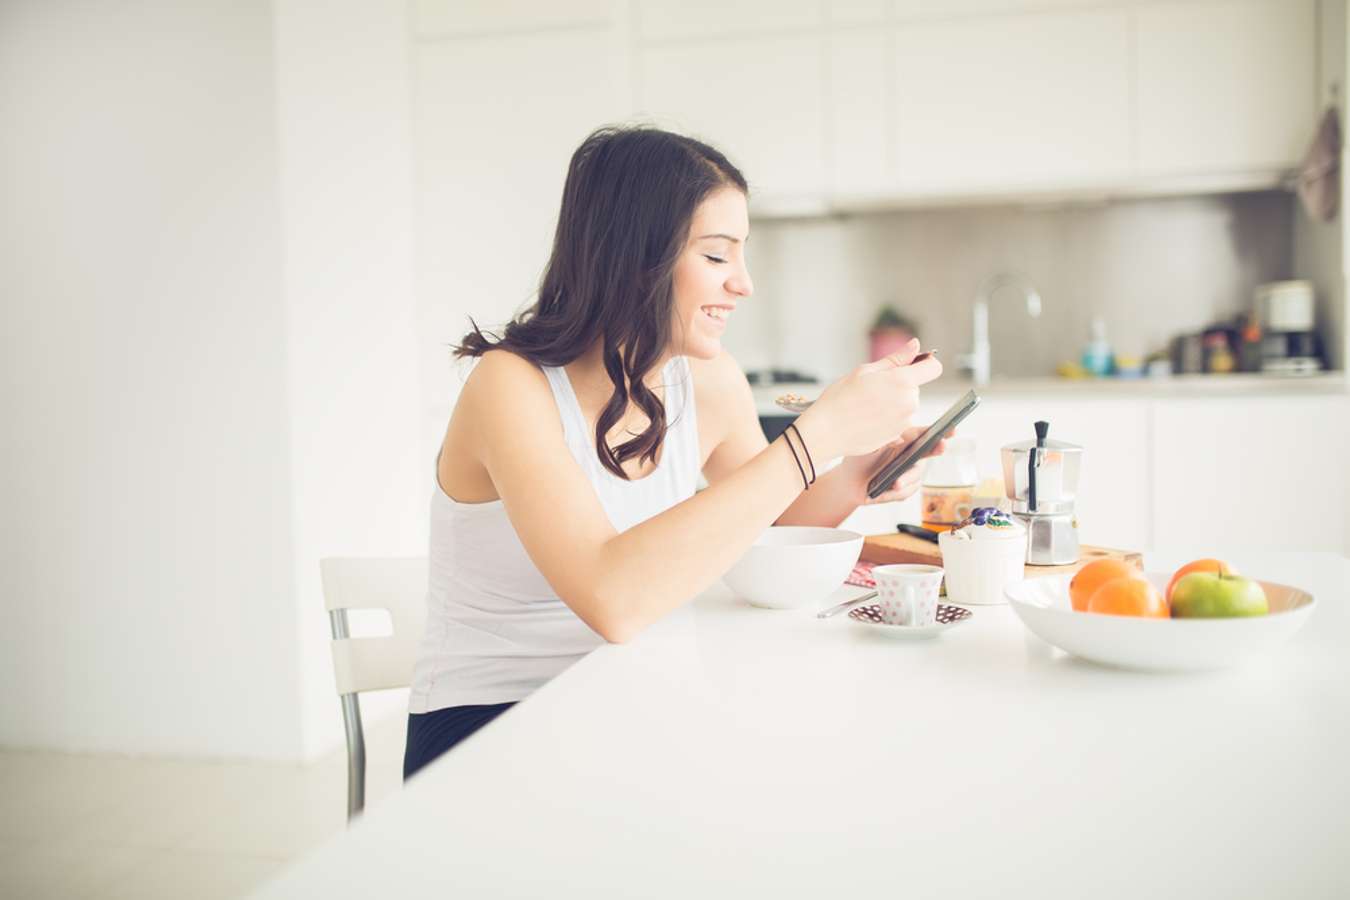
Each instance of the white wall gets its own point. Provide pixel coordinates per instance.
(148, 563)
(498, 114)
(210, 363)
(360, 484)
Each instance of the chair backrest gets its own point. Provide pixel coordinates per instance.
(396, 584)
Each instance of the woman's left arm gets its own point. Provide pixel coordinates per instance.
(838, 492)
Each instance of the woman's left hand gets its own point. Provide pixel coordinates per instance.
(862, 468)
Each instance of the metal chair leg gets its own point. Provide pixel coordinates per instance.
(356, 756)
(356, 736)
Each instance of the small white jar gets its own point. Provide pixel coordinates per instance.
(980, 560)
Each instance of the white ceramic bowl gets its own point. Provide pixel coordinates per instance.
(1162, 645)
(794, 565)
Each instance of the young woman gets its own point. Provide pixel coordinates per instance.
(565, 512)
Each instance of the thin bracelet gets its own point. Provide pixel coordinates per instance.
(807, 484)
(805, 450)
(787, 440)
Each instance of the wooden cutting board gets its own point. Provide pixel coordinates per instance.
(904, 548)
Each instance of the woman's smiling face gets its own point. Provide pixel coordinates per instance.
(711, 276)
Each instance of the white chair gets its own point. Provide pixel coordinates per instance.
(398, 585)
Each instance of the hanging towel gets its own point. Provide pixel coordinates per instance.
(1319, 175)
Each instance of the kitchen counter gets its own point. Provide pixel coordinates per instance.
(738, 752)
(948, 388)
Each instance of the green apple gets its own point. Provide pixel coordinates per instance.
(1214, 595)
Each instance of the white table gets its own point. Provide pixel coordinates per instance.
(737, 752)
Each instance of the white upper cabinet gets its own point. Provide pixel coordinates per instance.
(445, 18)
(860, 103)
(914, 9)
(666, 20)
(1225, 86)
(859, 117)
(855, 12)
(1008, 101)
(758, 100)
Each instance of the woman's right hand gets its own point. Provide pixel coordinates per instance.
(869, 407)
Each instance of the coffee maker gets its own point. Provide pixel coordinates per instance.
(1289, 341)
(1040, 477)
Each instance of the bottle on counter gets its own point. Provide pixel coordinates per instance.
(1097, 357)
(1188, 354)
(1249, 343)
(1219, 358)
(948, 488)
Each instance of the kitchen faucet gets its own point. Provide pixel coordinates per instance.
(977, 360)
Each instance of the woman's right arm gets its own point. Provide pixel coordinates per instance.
(620, 583)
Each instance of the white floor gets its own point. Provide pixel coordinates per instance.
(92, 826)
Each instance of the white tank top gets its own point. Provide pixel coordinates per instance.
(496, 630)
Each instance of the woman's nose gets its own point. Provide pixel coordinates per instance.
(740, 284)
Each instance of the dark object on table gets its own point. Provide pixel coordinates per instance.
(917, 531)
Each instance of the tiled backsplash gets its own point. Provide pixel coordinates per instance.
(1149, 268)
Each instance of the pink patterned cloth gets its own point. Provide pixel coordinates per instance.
(862, 574)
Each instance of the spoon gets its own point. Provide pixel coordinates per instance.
(795, 403)
(847, 604)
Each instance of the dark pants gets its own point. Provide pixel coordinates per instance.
(431, 734)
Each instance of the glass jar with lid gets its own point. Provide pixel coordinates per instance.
(949, 482)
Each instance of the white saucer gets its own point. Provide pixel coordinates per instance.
(948, 617)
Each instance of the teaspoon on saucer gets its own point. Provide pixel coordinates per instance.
(847, 604)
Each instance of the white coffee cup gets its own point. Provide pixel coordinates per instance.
(907, 594)
(979, 570)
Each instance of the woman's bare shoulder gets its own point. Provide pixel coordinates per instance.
(501, 372)
(507, 390)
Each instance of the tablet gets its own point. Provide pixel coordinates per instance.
(917, 449)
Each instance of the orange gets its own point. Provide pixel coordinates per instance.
(1217, 566)
(1092, 576)
(1130, 596)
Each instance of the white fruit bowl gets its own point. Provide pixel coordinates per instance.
(794, 565)
(1160, 645)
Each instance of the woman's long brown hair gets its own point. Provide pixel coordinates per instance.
(627, 207)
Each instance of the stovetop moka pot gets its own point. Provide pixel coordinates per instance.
(1040, 477)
